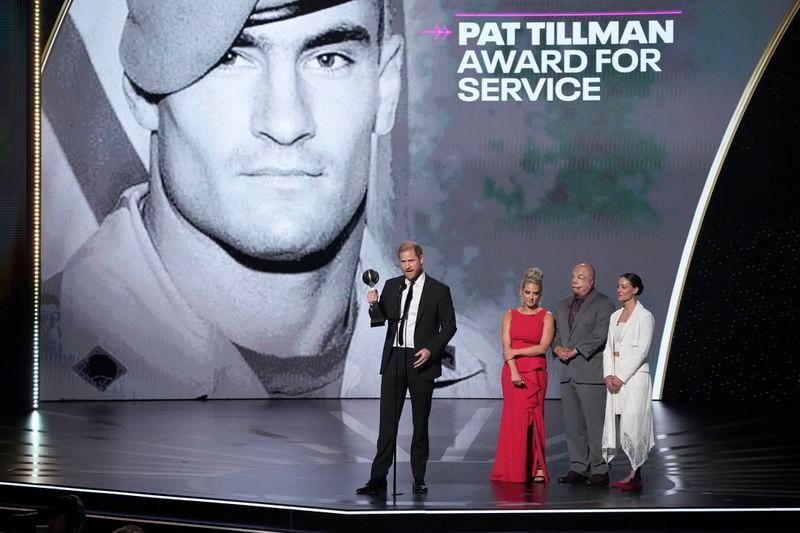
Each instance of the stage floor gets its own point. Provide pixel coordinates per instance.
(314, 453)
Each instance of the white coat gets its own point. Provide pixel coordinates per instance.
(633, 401)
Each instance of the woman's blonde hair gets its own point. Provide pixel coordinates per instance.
(532, 275)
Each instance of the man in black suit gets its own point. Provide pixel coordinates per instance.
(422, 321)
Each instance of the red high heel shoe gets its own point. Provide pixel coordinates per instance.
(633, 486)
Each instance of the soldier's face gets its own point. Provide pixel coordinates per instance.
(269, 152)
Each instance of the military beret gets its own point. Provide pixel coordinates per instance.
(167, 45)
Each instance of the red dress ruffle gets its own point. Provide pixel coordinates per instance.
(520, 444)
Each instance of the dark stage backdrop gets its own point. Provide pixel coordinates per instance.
(613, 176)
(16, 309)
(737, 329)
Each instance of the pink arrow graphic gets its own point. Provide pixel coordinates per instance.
(438, 32)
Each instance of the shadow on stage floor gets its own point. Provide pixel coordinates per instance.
(295, 464)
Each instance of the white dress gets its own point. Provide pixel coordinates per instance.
(618, 331)
(632, 403)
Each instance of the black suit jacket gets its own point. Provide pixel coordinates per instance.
(436, 321)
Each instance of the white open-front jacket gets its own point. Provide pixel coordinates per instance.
(633, 347)
(633, 401)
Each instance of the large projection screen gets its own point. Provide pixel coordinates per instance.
(522, 134)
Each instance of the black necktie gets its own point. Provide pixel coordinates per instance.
(574, 307)
(403, 318)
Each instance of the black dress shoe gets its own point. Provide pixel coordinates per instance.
(573, 478)
(598, 480)
(374, 487)
(420, 487)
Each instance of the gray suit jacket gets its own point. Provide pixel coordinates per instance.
(588, 335)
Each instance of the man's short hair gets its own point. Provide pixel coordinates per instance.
(410, 245)
(129, 528)
(71, 507)
(590, 267)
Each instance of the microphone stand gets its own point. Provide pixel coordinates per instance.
(400, 324)
(395, 494)
(370, 277)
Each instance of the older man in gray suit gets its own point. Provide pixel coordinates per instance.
(581, 331)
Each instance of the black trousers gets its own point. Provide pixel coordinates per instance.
(399, 376)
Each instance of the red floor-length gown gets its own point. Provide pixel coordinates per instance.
(520, 455)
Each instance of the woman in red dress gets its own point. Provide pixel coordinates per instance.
(526, 335)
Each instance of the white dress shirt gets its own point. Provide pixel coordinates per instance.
(409, 324)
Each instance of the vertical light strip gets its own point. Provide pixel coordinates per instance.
(705, 197)
(37, 175)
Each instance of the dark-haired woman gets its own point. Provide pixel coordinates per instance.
(629, 412)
